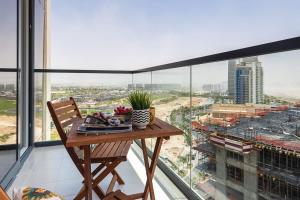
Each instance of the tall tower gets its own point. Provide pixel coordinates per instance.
(245, 80)
(231, 75)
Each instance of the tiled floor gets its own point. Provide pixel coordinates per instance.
(51, 168)
(7, 159)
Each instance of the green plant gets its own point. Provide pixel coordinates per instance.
(139, 100)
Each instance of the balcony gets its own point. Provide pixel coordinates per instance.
(239, 109)
(52, 168)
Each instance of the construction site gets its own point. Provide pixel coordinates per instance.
(255, 150)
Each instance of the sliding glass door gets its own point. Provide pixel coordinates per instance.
(8, 85)
(14, 86)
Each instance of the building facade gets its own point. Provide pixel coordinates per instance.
(245, 80)
(257, 158)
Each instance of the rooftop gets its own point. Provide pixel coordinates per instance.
(282, 127)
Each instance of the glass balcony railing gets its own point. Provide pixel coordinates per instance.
(240, 118)
(8, 121)
(92, 92)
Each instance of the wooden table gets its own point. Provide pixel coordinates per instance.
(159, 130)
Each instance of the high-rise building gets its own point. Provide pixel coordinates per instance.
(245, 80)
(231, 75)
(242, 85)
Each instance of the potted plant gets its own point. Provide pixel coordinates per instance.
(123, 114)
(140, 103)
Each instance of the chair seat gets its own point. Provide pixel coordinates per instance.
(117, 195)
(108, 152)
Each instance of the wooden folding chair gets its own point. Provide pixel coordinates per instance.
(108, 155)
(3, 195)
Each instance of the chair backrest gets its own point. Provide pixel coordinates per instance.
(63, 114)
(3, 195)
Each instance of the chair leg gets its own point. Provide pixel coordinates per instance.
(98, 169)
(119, 178)
(109, 168)
(112, 184)
(80, 191)
(114, 172)
(100, 193)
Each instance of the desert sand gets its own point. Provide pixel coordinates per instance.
(8, 126)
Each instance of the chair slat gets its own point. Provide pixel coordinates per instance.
(115, 149)
(110, 149)
(102, 150)
(68, 122)
(62, 104)
(126, 148)
(67, 116)
(120, 149)
(65, 109)
(98, 148)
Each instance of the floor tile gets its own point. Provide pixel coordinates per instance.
(52, 169)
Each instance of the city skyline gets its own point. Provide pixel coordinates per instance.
(280, 75)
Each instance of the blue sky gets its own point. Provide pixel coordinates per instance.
(130, 34)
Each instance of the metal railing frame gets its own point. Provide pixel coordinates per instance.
(263, 49)
(267, 48)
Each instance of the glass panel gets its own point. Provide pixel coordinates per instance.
(8, 104)
(40, 41)
(8, 34)
(92, 92)
(208, 81)
(245, 120)
(142, 81)
(171, 89)
(8, 121)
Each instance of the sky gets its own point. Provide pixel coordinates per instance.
(132, 34)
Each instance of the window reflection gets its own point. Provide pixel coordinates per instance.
(7, 121)
(8, 104)
(8, 33)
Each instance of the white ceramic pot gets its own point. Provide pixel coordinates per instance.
(140, 118)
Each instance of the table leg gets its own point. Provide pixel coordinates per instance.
(87, 172)
(150, 169)
(96, 180)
